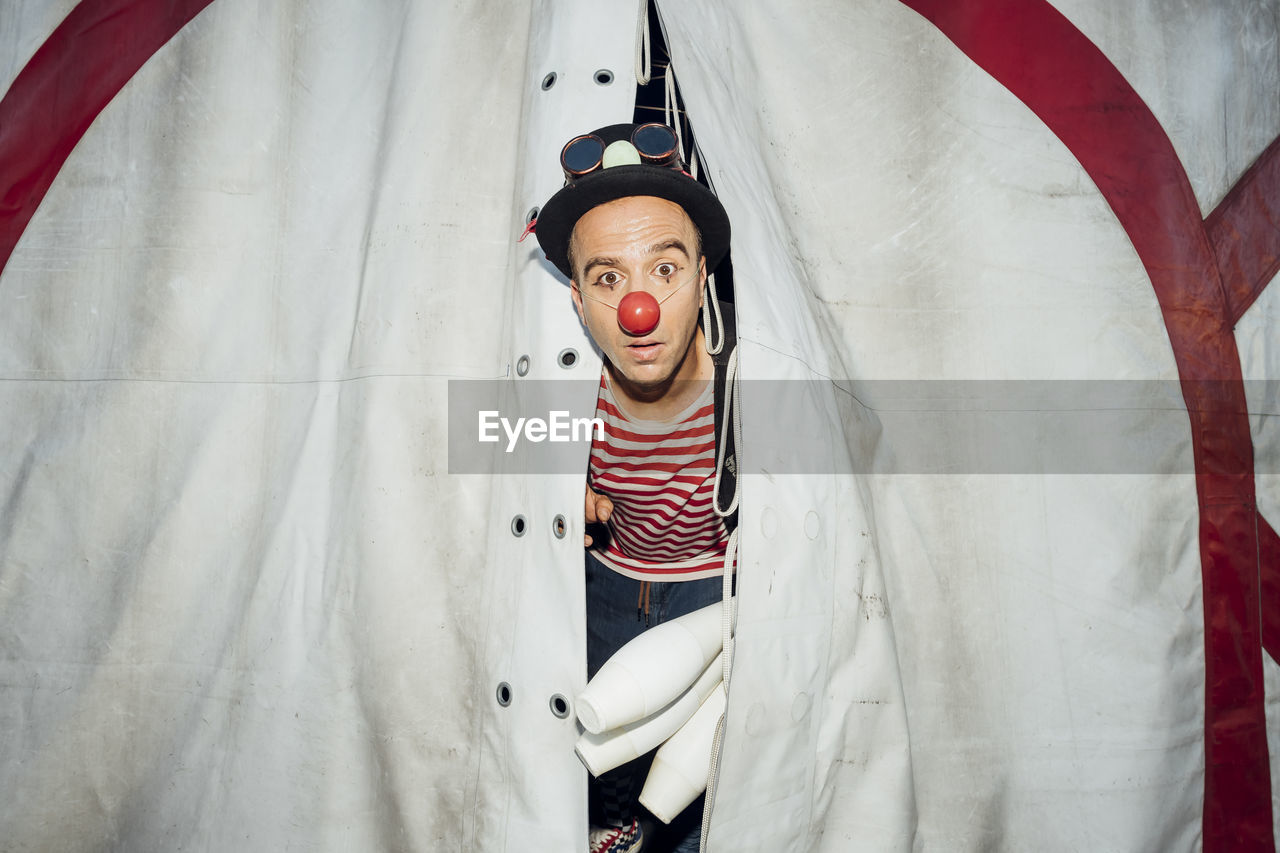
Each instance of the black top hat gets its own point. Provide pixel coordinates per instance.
(561, 213)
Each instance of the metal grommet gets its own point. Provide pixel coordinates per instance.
(504, 694)
(567, 358)
(518, 525)
(604, 77)
(548, 81)
(560, 705)
(522, 365)
(531, 215)
(559, 527)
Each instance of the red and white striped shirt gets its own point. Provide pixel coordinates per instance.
(660, 476)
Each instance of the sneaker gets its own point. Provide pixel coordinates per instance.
(616, 839)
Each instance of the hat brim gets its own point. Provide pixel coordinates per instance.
(561, 213)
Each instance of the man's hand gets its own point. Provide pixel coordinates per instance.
(598, 509)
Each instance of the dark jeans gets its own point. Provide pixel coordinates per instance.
(614, 616)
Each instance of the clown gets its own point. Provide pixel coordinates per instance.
(638, 238)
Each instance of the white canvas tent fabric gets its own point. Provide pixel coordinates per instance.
(244, 605)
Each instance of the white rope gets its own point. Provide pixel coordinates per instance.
(729, 604)
(644, 59)
(670, 110)
(732, 421)
(729, 617)
(670, 98)
(710, 307)
(728, 601)
(713, 775)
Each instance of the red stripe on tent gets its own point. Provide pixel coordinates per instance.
(58, 94)
(1245, 230)
(1035, 52)
(1269, 558)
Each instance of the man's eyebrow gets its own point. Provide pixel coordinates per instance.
(678, 245)
(655, 249)
(600, 262)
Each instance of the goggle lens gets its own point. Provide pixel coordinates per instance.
(582, 154)
(656, 143)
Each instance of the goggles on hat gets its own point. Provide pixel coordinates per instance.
(656, 144)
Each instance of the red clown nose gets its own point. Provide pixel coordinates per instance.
(638, 313)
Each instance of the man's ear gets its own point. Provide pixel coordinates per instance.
(702, 280)
(577, 300)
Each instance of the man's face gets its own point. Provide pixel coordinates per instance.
(640, 243)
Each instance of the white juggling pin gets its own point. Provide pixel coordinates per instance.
(603, 752)
(680, 767)
(650, 671)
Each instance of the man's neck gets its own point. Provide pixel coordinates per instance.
(673, 397)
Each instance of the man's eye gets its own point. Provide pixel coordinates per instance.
(609, 278)
(666, 270)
